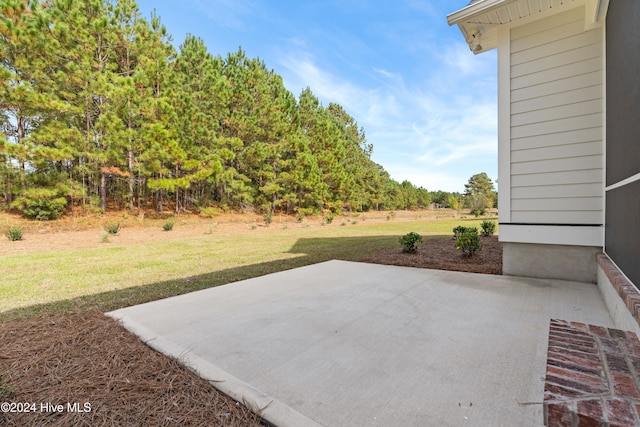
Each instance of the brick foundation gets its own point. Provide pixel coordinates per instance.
(592, 376)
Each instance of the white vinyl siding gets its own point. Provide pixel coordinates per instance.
(556, 121)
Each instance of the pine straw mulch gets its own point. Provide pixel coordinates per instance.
(88, 357)
(440, 253)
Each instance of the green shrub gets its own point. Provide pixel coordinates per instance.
(410, 242)
(488, 228)
(41, 205)
(94, 206)
(468, 241)
(210, 212)
(168, 226)
(105, 238)
(302, 213)
(457, 230)
(112, 228)
(328, 218)
(267, 215)
(14, 234)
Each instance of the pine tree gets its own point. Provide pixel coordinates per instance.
(97, 106)
(324, 138)
(156, 81)
(35, 111)
(127, 29)
(201, 100)
(20, 100)
(479, 192)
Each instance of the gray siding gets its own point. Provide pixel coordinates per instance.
(623, 90)
(622, 230)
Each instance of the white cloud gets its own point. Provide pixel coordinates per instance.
(384, 73)
(457, 132)
(427, 104)
(301, 70)
(458, 57)
(440, 131)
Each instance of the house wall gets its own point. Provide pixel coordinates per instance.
(557, 122)
(551, 145)
(622, 231)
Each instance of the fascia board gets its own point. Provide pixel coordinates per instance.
(475, 9)
(596, 13)
(603, 7)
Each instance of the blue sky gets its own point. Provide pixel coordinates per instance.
(427, 104)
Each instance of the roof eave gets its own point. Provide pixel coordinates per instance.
(473, 32)
(471, 11)
(474, 9)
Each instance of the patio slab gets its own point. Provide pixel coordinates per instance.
(353, 344)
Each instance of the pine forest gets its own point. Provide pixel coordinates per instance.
(100, 111)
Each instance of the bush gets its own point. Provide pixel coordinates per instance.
(302, 213)
(210, 212)
(14, 234)
(94, 206)
(267, 214)
(328, 218)
(112, 228)
(168, 226)
(488, 228)
(410, 242)
(457, 230)
(40, 208)
(468, 241)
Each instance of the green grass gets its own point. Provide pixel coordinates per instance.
(111, 277)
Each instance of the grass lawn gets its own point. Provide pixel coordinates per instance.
(112, 276)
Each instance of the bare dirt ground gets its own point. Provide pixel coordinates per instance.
(89, 358)
(82, 232)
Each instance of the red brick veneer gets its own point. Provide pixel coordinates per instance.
(622, 285)
(592, 376)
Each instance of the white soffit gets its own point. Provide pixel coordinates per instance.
(479, 21)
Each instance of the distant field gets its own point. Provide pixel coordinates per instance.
(150, 264)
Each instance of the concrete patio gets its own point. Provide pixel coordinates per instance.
(353, 344)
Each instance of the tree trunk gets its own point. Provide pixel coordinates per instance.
(158, 199)
(103, 190)
(20, 136)
(177, 171)
(84, 192)
(131, 177)
(8, 197)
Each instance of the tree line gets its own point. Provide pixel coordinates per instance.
(99, 110)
